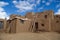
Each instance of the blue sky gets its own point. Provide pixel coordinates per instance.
(21, 7)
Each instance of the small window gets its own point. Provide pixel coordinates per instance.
(59, 17)
(36, 25)
(56, 16)
(9, 21)
(57, 21)
(45, 16)
(42, 24)
(22, 21)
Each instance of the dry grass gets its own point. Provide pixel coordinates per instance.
(31, 36)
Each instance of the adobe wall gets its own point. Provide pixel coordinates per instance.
(30, 15)
(7, 26)
(44, 20)
(4, 25)
(56, 23)
(13, 26)
(16, 25)
(23, 27)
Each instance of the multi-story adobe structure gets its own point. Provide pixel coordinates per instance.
(33, 22)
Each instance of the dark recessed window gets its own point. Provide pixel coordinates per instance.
(22, 21)
(45, 16)
(42, 24)
(9, 21)
(36, 25)
(57, 21)
(59, 17)
(1, 24)
(56, 16)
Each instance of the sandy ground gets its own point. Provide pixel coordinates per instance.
(31, 36)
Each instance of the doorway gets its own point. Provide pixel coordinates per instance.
(36, 26)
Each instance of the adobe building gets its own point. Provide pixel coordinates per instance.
(2, 25)
(45, 21)
(18, 24)
(42, 20)
(33, 22)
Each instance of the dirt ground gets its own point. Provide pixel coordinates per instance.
(31, 36)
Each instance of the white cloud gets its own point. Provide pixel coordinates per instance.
(1, 9)
(38, 1)
(57, 6)
(40, 8)
(48, 3)
(23, 5)
(51, 0)
(3, 3)
(3, 14)
(58, 12)
(30, 0)
(43, 1)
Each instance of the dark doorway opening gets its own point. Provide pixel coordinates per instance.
(45, 16)
(36, 26)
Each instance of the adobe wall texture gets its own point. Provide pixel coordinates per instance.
(3, 21)
(44, 20)
(40, 21)
(22, 26)
(19, 24)
(56, 23)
